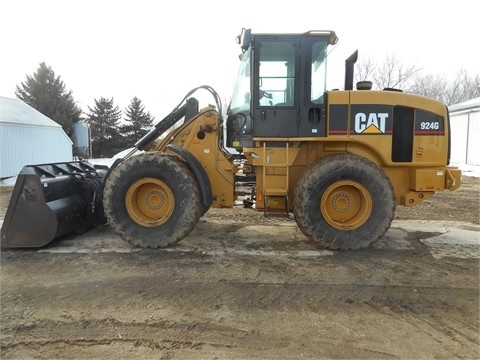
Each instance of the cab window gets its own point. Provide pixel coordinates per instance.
(276, 84)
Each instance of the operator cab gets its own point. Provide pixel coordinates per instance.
(280, 87)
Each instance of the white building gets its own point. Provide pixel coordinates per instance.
(465, 125)
(28, 137)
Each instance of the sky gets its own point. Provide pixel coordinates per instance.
(159, 52)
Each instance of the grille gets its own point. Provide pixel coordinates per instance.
(402, 134)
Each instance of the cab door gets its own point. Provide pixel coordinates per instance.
(312, 119)
(275, 86)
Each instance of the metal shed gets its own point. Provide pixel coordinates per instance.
(465, 124)
(29, 137)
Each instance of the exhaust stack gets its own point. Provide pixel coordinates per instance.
(349, 63)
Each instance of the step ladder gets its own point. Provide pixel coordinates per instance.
(275, 179)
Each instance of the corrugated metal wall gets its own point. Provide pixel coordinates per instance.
(465, 137)
(22, 144)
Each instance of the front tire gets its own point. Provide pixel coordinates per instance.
(152, 200)
(344, 202)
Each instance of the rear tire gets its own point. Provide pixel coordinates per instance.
(344, 202)
(152, 200)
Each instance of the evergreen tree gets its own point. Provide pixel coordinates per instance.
(138, 122)
(46, 93)
(105, 135)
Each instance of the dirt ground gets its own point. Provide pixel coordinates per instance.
(242, 286)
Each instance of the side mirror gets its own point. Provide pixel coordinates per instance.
(245, 39)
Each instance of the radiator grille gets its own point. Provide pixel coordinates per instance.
(402, 134)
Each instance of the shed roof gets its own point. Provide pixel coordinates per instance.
(17, 112)
(472, 104)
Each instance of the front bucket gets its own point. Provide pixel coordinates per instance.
(52, 200)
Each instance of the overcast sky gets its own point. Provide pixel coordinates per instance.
(159, 52)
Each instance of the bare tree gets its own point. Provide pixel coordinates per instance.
(393, 73)
(463, 87)
(432, 86)
(364, 70)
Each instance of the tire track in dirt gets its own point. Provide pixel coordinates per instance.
(426, 303)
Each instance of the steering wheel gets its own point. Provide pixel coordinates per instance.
(265, 94)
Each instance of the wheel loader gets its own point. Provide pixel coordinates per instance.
(339, 161)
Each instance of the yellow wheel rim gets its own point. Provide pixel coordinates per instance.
(346, 205)
(149, 202)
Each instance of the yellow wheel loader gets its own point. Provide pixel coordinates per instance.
(340, 161)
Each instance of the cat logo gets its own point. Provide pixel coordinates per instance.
(372, 123)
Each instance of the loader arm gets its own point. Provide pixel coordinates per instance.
(187, 109)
